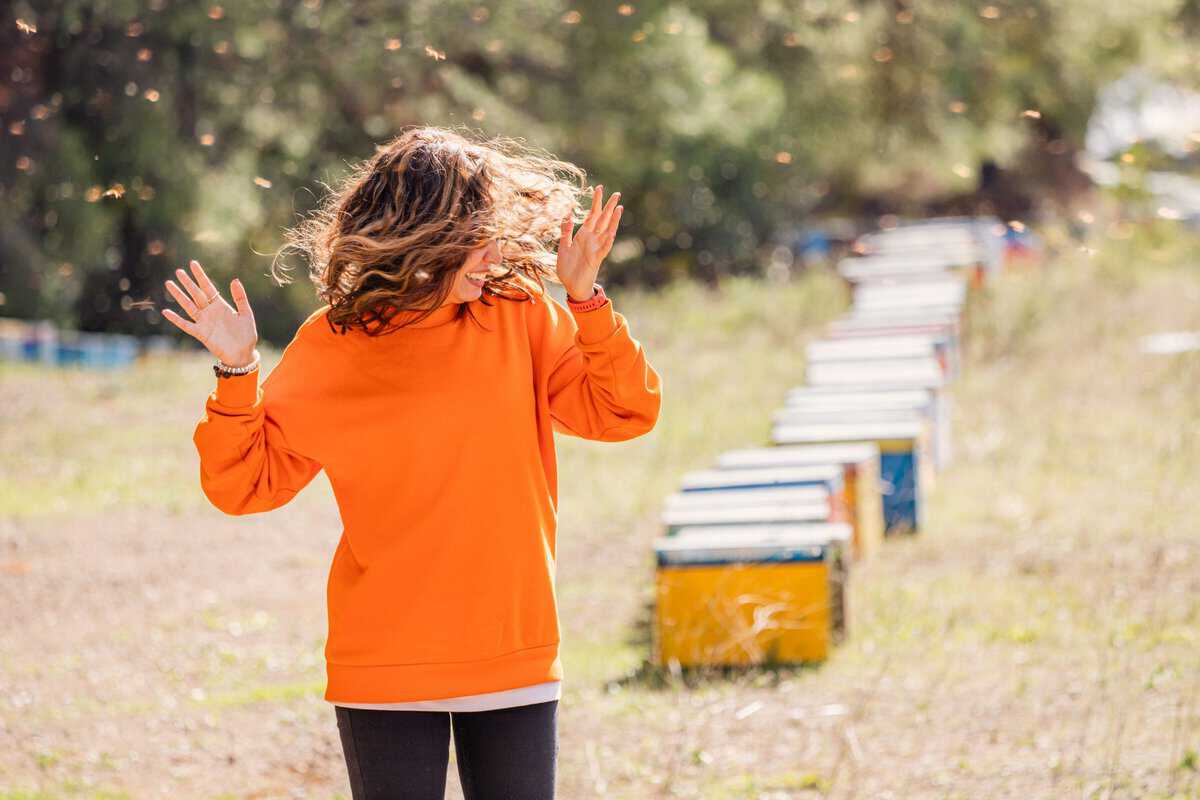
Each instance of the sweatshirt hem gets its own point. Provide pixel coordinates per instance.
(401, 683)
(489, 701)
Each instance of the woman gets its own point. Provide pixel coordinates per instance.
(428, 387)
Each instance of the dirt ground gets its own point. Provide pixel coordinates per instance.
(1040, 640)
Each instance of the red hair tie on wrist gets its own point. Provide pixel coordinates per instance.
(594, 302)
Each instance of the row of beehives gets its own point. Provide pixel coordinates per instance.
(43, 342)
(757, 551)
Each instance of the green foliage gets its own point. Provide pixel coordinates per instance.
(138, 135)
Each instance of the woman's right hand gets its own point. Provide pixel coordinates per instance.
(228, 333)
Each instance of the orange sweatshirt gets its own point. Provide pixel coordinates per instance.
(438, 443)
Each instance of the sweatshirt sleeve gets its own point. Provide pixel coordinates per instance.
(247, 464)
(599, 384)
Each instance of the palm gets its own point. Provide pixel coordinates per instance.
(221, 330)
(580, 253)
(229, 333)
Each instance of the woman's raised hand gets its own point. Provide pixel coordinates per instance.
(579, 255)
(228, 333)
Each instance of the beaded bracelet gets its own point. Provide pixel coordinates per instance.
(223, 370)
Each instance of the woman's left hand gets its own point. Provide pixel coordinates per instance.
(579, 255)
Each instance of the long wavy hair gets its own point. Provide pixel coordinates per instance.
(392, 235)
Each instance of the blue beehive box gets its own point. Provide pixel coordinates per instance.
(904, 462)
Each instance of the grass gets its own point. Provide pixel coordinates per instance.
(79, 442)
(271, 694)
(1038, 641)
(69, 430)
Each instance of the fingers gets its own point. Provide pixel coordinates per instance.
(181, 297)
(589, 222)
(610, 233)
(199, 297)
(564, 239)
(240, 300)
(606, 214)
(181, 323)
(206, 285)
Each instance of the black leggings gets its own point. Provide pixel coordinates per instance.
(504, 754)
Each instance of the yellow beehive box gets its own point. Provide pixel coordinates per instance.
(756, 594)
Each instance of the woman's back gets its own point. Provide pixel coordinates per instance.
(438, 443)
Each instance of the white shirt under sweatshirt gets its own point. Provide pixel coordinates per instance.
(488, 701)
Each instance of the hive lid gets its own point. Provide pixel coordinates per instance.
(942, 329)
(751, 543)
(922, 264)
(776, 513)
(915, 312)
(734, 497)
(896, 373)
(867, 296)
(944, 282)
(846, 432)
(804, 416)
(869, 348)
(714, 479)
(798, 455)
(805, 397)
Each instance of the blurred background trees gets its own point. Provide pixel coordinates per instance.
(137, 135)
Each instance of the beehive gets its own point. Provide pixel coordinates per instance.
(850, 376)
(750, 595)
(859, 464)
(904, 462)
(736, 508)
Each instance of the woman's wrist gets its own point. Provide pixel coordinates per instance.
(241, 367)
(591, 294)
(597, 299)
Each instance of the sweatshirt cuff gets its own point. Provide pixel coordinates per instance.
(597, 324)
(595, 301)
(238, 391)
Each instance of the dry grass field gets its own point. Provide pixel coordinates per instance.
(1041, 640)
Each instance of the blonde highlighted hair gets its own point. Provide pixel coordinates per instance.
(393, 234)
